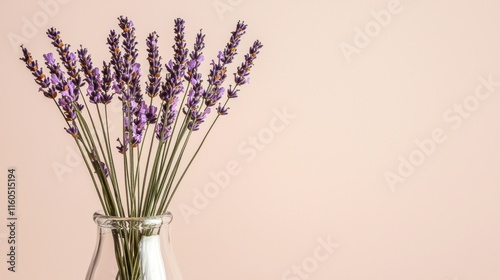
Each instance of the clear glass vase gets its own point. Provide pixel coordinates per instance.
(133, 249)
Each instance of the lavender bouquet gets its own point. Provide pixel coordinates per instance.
(138, 175)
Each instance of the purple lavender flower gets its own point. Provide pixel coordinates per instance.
(154, 77)
(113, 42)
(196, 57)
(138, 127)
(85, 62)
(170, 88)
(37, 72)
(151, 114)
(50, 60)
(123, 147)
(217, 74)
(135, 87)
(94, 94)
(241, 76)
(162, 132)
(192, 101)
(232, 92)
(58, 79)
(168, 116)
(69, 100)
(107, 77)
(195, 94)
(72, 130)
(180, 50)
(175, 68)
(67, 57)
(129, 43)
(106, 98)
(197, 119)
(107, 80)
(54, 68)
(97, 88)
(92, 76)
(229, 52)
(134, 123)
(105, 169)
(130, 70)
(212, 97)
(222, 110)
(69, 93)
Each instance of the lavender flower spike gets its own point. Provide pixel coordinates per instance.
(229, 52)
(154, 77)
(180, 50)
(197, 119)
(68, 58)
(222, 110)
(72, 130)
(241, 76)
(36, 71)
(196, 58)
(113, 42)
(129, 43)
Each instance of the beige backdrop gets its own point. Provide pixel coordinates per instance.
(367, 144)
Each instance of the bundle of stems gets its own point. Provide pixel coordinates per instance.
(158, 121)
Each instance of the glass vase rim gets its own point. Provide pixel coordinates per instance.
(102, 219)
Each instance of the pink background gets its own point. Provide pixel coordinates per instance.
(319, 175)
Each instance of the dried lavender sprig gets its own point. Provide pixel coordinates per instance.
(37, 72)
(73, 130)
(243, 71)
(155, 67)
(129, 43)
(217, 74)
(196, 57)
(230, 50)
(67, 57)
(241, 76)
(107, 79)
(97, 86)
(180, 50)
(85, 62)
(176, 68)
(113, 42)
